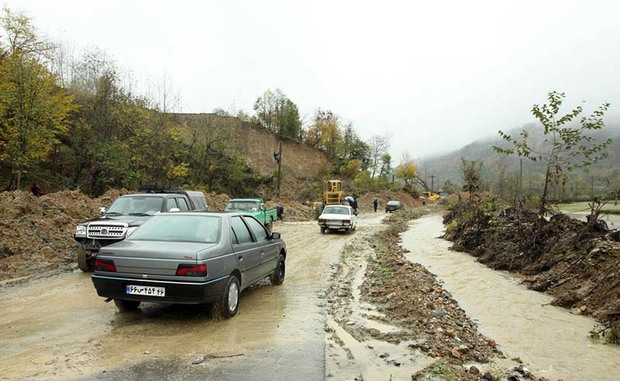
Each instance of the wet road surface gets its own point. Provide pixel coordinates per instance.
(58, 328)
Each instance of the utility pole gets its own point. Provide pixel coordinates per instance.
(432, 182)
(278, 157)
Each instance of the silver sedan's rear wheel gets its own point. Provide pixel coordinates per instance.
(229, 301)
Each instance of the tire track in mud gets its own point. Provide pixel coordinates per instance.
(354, 348)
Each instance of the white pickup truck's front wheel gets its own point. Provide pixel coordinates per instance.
(85, 262)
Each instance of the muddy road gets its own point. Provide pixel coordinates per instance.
(57, 328)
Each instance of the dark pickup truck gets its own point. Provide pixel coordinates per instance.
(125, 215)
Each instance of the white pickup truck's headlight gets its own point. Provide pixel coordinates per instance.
(80, 231)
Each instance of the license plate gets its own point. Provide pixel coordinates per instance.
(145, 290)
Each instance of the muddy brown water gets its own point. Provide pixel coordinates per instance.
(553, 342)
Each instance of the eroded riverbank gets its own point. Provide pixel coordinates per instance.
(551, 340)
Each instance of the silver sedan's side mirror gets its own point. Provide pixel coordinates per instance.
(102, 210)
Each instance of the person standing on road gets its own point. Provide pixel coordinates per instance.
(375, 203)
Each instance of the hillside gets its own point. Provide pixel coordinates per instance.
(300, 163)
(601, 177)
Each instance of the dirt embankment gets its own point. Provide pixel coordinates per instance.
(36, 232)
(257, 146)
(576, 262)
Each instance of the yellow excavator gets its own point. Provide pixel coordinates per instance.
(428, 194)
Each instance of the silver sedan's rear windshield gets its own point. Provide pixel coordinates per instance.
(179, 228)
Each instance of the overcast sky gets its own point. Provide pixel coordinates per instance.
(434, 75)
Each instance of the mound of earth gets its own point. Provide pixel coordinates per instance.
(36, 233)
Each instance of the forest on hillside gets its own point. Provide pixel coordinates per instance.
(504, 175)
(73, 123)
(70, 122)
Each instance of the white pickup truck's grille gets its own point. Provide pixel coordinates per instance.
(106, 231)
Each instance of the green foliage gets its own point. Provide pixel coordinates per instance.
(441, 369)
(33, 111)
(177, 174)
(325, 133)
(352, 168)
(613, 335)
(278, 114)
(406, 171)
(568, 146)
(80, 128)
(450, 187)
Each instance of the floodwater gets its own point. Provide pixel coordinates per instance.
(550, 340)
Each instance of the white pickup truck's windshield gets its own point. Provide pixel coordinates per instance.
(244, 206)
(136, 206)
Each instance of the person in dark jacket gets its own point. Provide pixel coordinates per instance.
(375, 203)
(36, 190)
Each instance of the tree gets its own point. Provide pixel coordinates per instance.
(567, 146)
(386, 165)
(471, 170)
(107, 142)
(278, 114)
(33, 110)
(325, 133)
(406, 171)
(379, 145)
(353, 147)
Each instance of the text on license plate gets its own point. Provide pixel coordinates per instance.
(145, 290)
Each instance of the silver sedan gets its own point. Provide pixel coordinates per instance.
(190, 258)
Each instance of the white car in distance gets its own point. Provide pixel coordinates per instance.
(337, 217)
